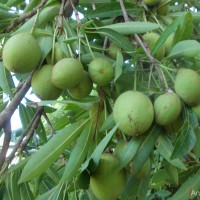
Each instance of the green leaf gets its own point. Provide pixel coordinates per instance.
(185, 29)
(130, 27)
(185, 142)
(25, 192)
(172, 172)
(109, 123)
(145, 148)
(116, 37)
(197, 144)
(187, 189)
(50, 152)
(93, 160)
(186, 48)
(78, 154)
(13, 2)
(6, 82)
(165, 149)
(118, 65)
(163, 37)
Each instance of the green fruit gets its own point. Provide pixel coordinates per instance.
(144, 171)
(101, 71)
(21, 53)
(83, 88)
(187, 84)
(67, 73)
(107, 183)
(196, 110)
(151, 2)
(151, 39)
(163, 7)
(58, 53)
(135, 112)
(167, 108)
(113, 50)
(169, 43)
(42, 86)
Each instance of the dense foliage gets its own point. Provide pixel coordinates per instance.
(118, 105)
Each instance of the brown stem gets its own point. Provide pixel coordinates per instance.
(8, 111)
(31, 127)
(60, 17)
(145, 48)
(68, 9)
(24, 17)
(6, 142)
(49, 123)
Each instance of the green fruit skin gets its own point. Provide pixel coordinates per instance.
(169, 44)
(58, 53)
(196, 110)
(163, 8)
(107, 183)
(113, 50)
(67, 73)
(151, 39)
(167, 108)
(101, 71)
(151, 2)
(135, 112)
(42, 86)
(21, 53)
(187, 84)
(83, 88)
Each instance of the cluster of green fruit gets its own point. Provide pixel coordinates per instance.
(22, 54)
(135, 111)
(161, 6)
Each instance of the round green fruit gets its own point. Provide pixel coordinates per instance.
(21, 53)
(67, 73)
(167, 108)
(113, 50)
(151, 2)
(83, 88)
(58, 53)
(101, 71)
(107, 183)
(135, 112)
(187, 84)
(163, 7)
(42, 86)
(196, 110)
(169, 44)
(151, 39)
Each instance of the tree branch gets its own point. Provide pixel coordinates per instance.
(8, 111)
(6, 142)
(68, 8)
(48, 123)
(24, 17)
(145, 48)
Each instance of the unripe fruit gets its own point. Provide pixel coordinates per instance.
(113, 50)
(42, 86)
(169, 43)
(187, 84)
(151, 39)
(83, 88)
(151, 2)
(167, 108)
(67, 73)
(163, 8)
(21, 53)
(196, 110)
(58, 53)
(135, 112)
(101, 71)
(107, 183)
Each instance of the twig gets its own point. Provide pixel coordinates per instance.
(48, 123)
(8, 111)
(68, 9)
(145, 48)
(6, 142)
(30, 128)
(73, 4)
(60, 17)
(22, 18)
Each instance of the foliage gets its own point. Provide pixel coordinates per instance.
(62, 140)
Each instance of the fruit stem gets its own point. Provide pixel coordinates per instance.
(35, 21)
(54, 37)
(155, 18)
(69, 48)
(89, 46)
